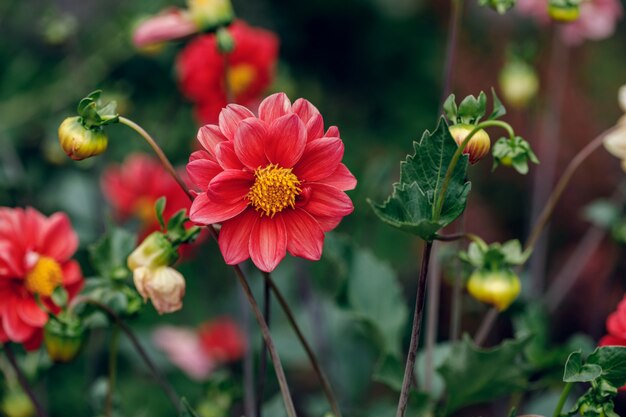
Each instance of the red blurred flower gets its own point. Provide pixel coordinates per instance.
(198, 352)
(616, 328)
(249, 70)
(133, 187)
(275, 182)
(222, 340)
(35, 253)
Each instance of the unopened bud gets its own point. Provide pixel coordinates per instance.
(155, 250)
(519, 83)
(477, 147)
(564, 12)
(63, 340)
(498, 288)
(164, 286)
(211, 14)
(79, 142)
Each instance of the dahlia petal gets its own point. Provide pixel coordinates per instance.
(342, 178)
(610, 340)
(332, 132)
(328, 223)
(249, 143)
(15, 328)
(268, 243)
(209, 136)
(230, 117)
(320, 159)
(205, 211)
(235, 237)
(11, 261)
(202, 171)
(315, 127)
(327, 201)
(304, 109)
(30, 313)
(226, 156)
(72, 273)
(201, 154)
(616, 325)
(305, 237)
(34, 341)
(230, 186)
(173, 24)
(33, 222)
(273, 107)
(59, 241)
(286, 141)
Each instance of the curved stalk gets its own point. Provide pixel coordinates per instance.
(455, 159)
(21, 378)
(267, 301)
(415, 332)
(167, 388)
(559, 407)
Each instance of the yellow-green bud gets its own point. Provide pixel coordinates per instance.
(17, 404)
(477, 147)
(498, 288)
(210, 14)
(564, 13)
(519, 83)
(156, 250)
(63, 341)
(78, 142)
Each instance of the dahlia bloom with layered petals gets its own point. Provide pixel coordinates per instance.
(275, 182)
(249, 70)
(35, 258)
(133, 187)
(597, 20)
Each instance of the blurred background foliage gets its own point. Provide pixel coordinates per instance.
(374, 68)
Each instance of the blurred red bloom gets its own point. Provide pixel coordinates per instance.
(35, 253)
(616, 328)
(199, 352)
(133, 187)
(275, 182)
(249, 70)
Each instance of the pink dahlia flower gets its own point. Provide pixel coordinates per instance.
(275, 182)
(35, 253)
(171, 24)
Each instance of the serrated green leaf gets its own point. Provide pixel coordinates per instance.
(410, 207)
(475, 375)
(576, 371)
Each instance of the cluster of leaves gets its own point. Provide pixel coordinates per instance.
(514, 152)
(494, 256)
(472, 109)
(500, 6)
(609, 216)
(94, 113)
(175, 230)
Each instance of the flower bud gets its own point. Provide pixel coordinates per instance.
(79, 142)
(519, 83)
(164, 286)
(63, 340)
(563, 12)
(498, 288)
(477, 147)
(155, 251)
(211, 14)
(17, 404)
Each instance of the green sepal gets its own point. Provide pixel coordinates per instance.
(94, 114)
(159, 207)
(411, 205)
(514, 152)
(495, 256)
(500, 6)
(498, 108)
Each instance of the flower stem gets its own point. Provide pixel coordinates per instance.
(415, 332)
(167, 388)
(548, 209)
(249, 402)
(486, 325)
(267, 301)
(432, 318)
(157, 149)
(559, 407)
(8, 351)
(113, 346)
(455, 17)
(307, 347)
(455, 159)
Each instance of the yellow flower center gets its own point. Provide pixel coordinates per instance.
(239, 78)
(144, 210)
(274, 189)
(45, 276)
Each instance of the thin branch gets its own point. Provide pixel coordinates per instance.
(432, 318)
(248, 361)
(415, 332)
(267, 301)
(23, 381)
(486, 325)
(455, 17)
(114, 343)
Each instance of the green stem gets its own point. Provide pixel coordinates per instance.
(559, 407)
(455, 159)
(114, 344)
(23, 381)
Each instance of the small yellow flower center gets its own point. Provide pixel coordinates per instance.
(274, 189)
(239, 78)
(144, 210)
(44, 277)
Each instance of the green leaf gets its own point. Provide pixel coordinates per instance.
(108, 255)
(450, 109)
(498, 109)
(410, 207)
(473, 375)
(576, 371)
(375, 296)
(159, 206)
(471, 110)
(612, 360)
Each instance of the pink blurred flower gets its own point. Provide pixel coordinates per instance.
(35, 258)
(275, 182)
(598, 19)
(169, 25)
